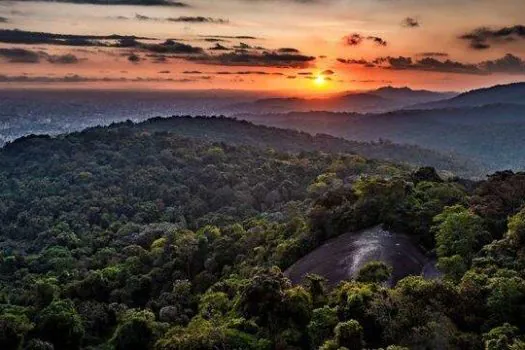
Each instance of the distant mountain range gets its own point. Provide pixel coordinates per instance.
(487, 125)
(380, 100)
(499, 94)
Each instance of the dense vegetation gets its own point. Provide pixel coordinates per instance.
(129, 237)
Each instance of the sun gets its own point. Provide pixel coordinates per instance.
(320, 80)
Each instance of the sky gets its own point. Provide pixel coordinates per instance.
(301, 46)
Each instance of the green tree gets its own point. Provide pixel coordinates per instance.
(374, 272)
(60, 324)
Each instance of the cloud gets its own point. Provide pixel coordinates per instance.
(433, 54)
(249, 72)
(361, 61)
(198, 19)
(134, 58)
(182, 19)
(353, 39)
(63, 59)
(3, 20)
(19, 55)
(15, 36)
(219, 47)
(288, 50)
(482, 38)
(410, 22)
(264, 59)
(242, 37)
(509, 64)
(377, 40)
(172, 47)
(431, 64)
(357, 39)
(123, 2)
(328, 72)
(75, 78)
(214, 40)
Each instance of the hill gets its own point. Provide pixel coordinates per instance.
(491, 134)
(237, 132)
(499, 94)
(380, 100)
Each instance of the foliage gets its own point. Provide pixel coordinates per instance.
(131, 237)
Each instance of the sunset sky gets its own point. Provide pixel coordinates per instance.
(309, 46)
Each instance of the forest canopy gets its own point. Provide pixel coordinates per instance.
(141, 237)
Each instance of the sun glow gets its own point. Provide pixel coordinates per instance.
(320, 80)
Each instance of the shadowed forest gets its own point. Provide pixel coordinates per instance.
(149, 236)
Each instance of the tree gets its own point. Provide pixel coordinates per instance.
(322, 325)
(13, 329)
(459, 235)
(263, 297)
(135, 331)
(516, 225)
(60, 324)
(500, 338)
(349, 334)
(374, 272)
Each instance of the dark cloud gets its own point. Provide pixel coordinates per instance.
(288, 50)
(509, 64)
(482, 38)
(353, 39)
(134, 58)
(361, 61)
(24, 37)
(75, 78)
(123, 2)
(248, 72)
(19, 55)
(242, 37)
(377, 40)
(243, 46)
(410, 22)
(182, 19)
(192, 72)
(214, 40)
(266, 59)
(3, 20)
(198, 19)
(164, 72)
(433, 54)
(141, 17)
(357, 39)
(219, 47)
(171, 47)
(431, 64)
(327, 72)
(63, 59)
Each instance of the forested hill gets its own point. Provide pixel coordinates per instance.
(240, 132)
(491, 135)
(121, 238)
